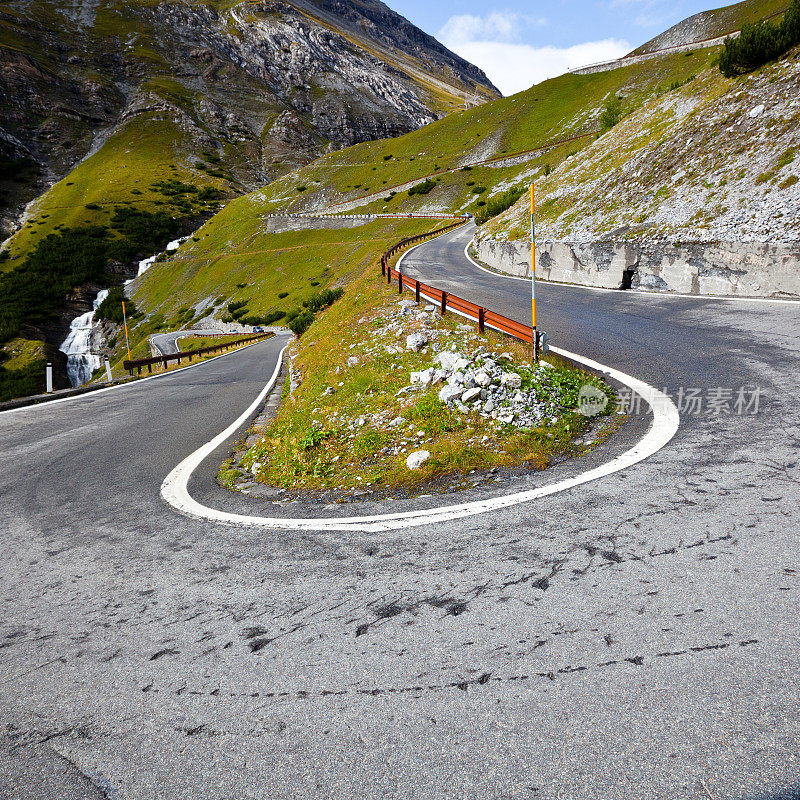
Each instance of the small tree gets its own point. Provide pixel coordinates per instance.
(612, 113)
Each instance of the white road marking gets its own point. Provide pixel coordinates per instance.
(138, 382)
(174, 489)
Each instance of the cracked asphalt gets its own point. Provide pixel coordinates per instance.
(633, 638)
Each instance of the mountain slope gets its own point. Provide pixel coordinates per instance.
(712, 160)
(266, 85)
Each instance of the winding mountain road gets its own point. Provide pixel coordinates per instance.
(636, 637)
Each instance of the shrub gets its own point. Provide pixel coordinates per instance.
(22, 381)
(92, 206)
(323, 299)
(144, 229)
(300, 324)
(281, 295)
(499, 203)
(301, 188)
(58, 263)
(478, 189)
(612, 113)
(208, 193)
(111, 307)
(422, 188)
(759, 43)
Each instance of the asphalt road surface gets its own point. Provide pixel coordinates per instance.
(633, 638)
(167, 343)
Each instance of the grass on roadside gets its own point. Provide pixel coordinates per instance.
(349, 425)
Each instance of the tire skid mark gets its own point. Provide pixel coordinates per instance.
(461, 684)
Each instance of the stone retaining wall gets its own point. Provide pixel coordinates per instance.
(703, 268)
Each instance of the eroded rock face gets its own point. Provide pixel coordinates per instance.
(280, 85)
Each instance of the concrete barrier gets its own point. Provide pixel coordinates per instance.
(747, 269)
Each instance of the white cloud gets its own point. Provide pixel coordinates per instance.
(492, 43)
(496, 26)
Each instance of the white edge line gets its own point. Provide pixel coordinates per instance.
(174, 489)
(127, 385)
(632, 292)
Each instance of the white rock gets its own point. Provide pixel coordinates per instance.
(511, 380)
(449, 393)
(456, 379)
(397, 422)
(756, 112)
(416, 341)
(452, 361)
(488, 406)
(470, 395)
(256, 468)
(424, 378)
(352, 361)
(482, 378)
(507, 356)
(416, 459)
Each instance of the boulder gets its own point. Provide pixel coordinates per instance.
(449, 393)
(452, 362)
(470, 395)
(482, 379)
(416, 459)
(416, 341)
(424, 378)
(511, 380)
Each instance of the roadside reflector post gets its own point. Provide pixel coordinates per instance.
(399, 282)
(416, 291)
(535, 336)
(444, 303)
(108, 370)
(48, 378)
(127, 340)
(482, 320)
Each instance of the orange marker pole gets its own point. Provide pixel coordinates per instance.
(127, 340)
(535, 342)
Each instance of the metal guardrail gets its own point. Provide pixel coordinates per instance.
(450, 302)
(163, 361)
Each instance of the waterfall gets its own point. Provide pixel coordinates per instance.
(81, 361)
(146, 263)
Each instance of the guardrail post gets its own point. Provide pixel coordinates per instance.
(150, 369)
(444, 303)
(389, 275)
(399, 282)
(481, 319)
(416, 291)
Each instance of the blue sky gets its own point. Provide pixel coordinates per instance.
(520, 43)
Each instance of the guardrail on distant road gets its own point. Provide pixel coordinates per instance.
(163, 361)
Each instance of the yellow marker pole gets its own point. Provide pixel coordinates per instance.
(535, 342)
(127, 340)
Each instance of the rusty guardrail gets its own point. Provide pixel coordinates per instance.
(446, 301)
(138, 363)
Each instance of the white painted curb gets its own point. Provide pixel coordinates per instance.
(174, 489)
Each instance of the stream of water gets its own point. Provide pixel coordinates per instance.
(81, 361)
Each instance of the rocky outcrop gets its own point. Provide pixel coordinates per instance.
(277, 82)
